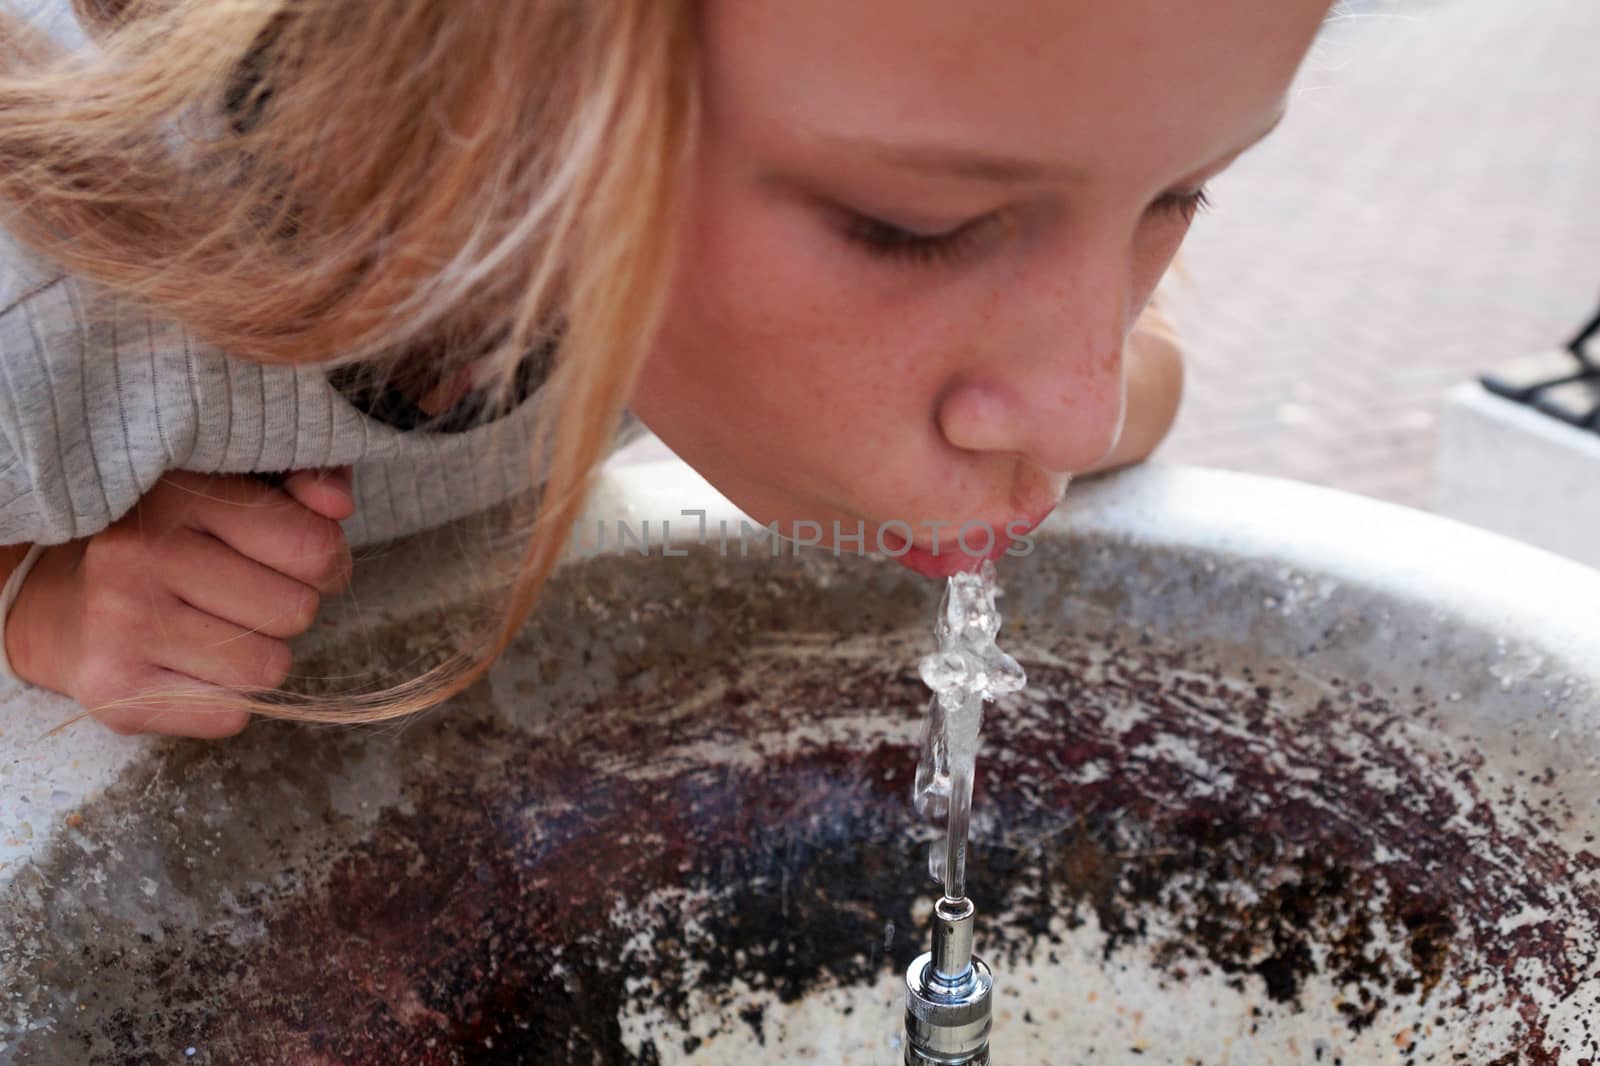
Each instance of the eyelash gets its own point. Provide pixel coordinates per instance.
(1184, 205)
(887, 241)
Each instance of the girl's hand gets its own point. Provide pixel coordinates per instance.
(198, 588)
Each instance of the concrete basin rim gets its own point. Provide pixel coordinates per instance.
(1411, 559)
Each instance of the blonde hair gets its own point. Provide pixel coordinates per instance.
(339, 180)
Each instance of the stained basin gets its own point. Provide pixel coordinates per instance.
(1297, 778)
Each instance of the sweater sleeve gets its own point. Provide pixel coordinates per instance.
(19, 522)
(80, 419)
(98, 400)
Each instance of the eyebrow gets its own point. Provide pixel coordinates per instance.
(997, 169)
(958, 162)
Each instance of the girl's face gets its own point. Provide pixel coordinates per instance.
(918, 233)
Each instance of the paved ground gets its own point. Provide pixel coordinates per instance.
(1430, 207)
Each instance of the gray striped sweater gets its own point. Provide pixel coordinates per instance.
(97, 402)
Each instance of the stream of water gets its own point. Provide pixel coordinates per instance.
(966, 671)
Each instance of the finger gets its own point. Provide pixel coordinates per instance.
(214, 579)
(329, 493)
(269, 526)
(218, 652)
(177, 706)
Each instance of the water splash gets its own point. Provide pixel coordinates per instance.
(968, 670)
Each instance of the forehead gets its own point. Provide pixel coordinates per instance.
(1112, 85)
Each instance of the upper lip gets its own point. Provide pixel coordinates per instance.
(1027, 517)
(1037, 519)
(1048, 490)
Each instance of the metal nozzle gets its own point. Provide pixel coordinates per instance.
(948, 994)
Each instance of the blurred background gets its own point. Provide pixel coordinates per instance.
(1429, 210)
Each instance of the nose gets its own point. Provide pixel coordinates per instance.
(1047, 384)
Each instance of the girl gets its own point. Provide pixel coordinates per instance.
(873, 265)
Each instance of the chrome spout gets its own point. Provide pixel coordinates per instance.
(949, 994)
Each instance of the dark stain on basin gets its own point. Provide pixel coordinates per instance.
(666, 798)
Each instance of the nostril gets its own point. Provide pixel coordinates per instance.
(978, 417)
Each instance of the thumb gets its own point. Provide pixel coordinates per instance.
(327, 492)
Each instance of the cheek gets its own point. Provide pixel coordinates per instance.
(784, 331)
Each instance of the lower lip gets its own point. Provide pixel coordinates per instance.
(952, 558)
(945, 563)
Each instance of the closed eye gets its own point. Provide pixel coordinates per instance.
(1183, 205)
(887, 241)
